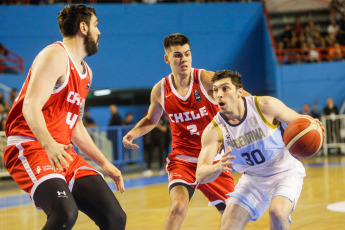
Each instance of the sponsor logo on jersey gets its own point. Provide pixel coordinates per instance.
(188, 116)
(197, 95)
(38, 169)
(247, 139)
(47, 167)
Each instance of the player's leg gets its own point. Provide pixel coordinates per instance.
(217, 191)
(180, 195)
(54, 197)
(279, 210)
(235, 217)
(94, 197)
(285, 195)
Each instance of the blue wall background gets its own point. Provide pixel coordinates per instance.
(223, 36)
(131, 50)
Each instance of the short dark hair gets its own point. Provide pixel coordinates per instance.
(71, 16)
(175, 40)
(235, 77)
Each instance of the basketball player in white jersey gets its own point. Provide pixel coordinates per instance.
(47, 116)
(250, 129)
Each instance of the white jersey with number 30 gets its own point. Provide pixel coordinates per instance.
(258, 145)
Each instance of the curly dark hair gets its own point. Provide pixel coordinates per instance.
(235, 77)
(71, 16)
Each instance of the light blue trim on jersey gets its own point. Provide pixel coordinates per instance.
(246, 202)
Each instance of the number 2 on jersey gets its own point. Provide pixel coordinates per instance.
(193, 130)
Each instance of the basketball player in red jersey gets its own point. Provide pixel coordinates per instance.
(186, 96)
(47, 116)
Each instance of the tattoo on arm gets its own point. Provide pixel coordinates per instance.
(81, 113)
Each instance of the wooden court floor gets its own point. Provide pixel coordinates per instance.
(147, 206)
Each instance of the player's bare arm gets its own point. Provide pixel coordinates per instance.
(207, 171)
(206, 80)
(146, 124)
(82, 139)
(275, 110)
(48, 70)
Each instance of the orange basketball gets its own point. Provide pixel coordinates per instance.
(303, 137)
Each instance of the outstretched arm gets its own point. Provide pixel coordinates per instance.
(146, 124)
(207, 171)
(82, 139)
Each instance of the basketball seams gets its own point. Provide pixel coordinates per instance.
(303, 137)
(299, 136)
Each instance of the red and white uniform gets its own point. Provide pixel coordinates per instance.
(188, 118)
(25, 158)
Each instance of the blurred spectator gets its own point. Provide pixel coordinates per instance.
(341, 33)
(115, 116)
(87, 120)
(332, 123)
(298, 27)
(331, 39)
(314, 55)
(12, 97)
(129, 119)
(335, 52)
(2, 100)
(315, 110)
(333, 28)
(155, 140)
(167, 135)
(112, 133)
(311, 29)
(3, 117)
(318, 40)
(307, 111)
(286, 36)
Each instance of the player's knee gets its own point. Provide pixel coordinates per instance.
(277, 216)
(63, 219)
(114, 221)
(179, 208)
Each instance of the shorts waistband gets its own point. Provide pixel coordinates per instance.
(186, 158)
(14, 140)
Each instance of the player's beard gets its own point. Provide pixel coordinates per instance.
(90, 44)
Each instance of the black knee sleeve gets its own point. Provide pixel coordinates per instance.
(54, 197)
(191, 190)
(94, 197)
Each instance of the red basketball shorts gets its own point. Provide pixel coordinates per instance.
(29, 166)
(184, 171)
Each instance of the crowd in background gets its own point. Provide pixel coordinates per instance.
(313, 43)
(42, 2)
(5, 106)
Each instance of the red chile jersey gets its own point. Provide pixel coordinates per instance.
(188, 115)
(62, 109)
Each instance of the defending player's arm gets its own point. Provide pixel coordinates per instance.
(146, 124)
(207, 171)
(206, 79)
(49, 68)
(82, 139)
